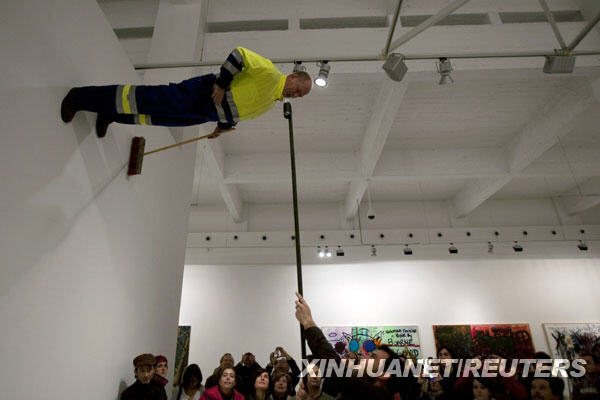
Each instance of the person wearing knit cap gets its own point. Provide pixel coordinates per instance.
(144, 387)
(162, 368)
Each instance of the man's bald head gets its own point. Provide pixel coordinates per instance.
(297, 84)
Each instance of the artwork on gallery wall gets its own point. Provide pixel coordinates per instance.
(403, 339)
(182, 353)
(506, 340)
(571, 341)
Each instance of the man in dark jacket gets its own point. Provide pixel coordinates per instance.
(354, 388)
(144, 388)
(245, 370)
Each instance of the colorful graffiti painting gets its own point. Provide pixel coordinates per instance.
(571, 341)
(364, 339)
(506, 340)
(182, 353)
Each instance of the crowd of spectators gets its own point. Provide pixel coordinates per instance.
(280, 379)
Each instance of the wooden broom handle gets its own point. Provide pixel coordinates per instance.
(187, 141)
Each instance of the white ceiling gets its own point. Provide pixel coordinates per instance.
(534, 188)
(442, 142)
(422, 189)
(279, 192)
(328, 119)
(471, 113)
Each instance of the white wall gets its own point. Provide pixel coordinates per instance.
(250, 308)
(92, 262)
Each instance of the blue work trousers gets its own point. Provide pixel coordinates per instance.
(177, 104)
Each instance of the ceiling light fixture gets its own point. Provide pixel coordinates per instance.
(327, 252)
(395, 67)
(298, 67)
(373, 251)
(444, 67)
(321, 79)
(452, 249)
(517, 247)
(490, 248)
(370, 213)
(320, 252)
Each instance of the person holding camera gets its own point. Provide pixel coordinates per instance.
(431, 385)
(244, 370)
(281, 361)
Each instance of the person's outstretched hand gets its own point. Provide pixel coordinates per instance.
(218, 94)
(303, 314)
(216, 133)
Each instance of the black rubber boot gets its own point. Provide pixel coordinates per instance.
(102, 125)
(68, 107)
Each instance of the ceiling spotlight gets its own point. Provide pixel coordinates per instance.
(395, 67)
(373, 250)
(408, 251)
(444, 67)
(327, 252)
(517, 247)
(298, 67)
(452, 249)
(370, 213)
(320, 252)
(582, 246)
(321, 80)
(339, 252)
(490, 247)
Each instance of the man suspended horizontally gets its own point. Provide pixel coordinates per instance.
(247, 86)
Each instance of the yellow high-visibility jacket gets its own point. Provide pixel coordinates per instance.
(252, 84)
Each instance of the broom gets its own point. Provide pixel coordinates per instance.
(136, 156)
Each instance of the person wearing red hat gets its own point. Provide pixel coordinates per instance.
(162, 367)
(144, 388)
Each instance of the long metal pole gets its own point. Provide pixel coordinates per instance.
(386, 50)
(429, 22)
(584, 32)
(287, 114)
(552, 22)
(413, 57)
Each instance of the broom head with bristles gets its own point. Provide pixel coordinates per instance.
(136, 156)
